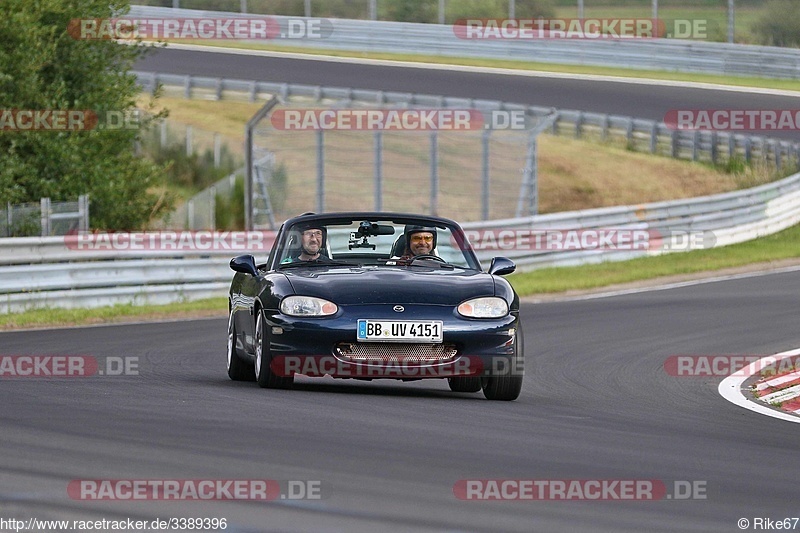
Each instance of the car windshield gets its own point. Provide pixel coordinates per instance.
(375, 242)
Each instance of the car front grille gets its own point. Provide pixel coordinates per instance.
(406, 353)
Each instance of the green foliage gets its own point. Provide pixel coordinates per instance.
(195, 171)
(279, 188)
(780, 23)
(229, 209)
(43, 68)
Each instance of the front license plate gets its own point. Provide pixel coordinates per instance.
(400, 330)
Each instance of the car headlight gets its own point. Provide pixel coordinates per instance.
(307, 306)
(487, 307)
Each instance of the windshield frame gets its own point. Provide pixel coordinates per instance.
(330, 220)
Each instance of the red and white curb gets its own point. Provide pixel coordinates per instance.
(783, 389)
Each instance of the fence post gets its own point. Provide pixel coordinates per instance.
(190, 214)
(378, 149)
(9, 219)
(212, 207)
(434, 207)
(44, 204)
(217, 149)
(307, 8)
(189, 143)
(163, 136)
(485, 176)
(695, 144)
(373, 10)
(748, 149)
(243, 6)
(320, 171)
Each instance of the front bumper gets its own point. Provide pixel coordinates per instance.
(319, 346)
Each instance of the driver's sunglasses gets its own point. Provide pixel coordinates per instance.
(421, 238)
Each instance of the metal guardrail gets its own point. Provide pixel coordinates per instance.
(434, 39)
(166, 276)
(640, 134)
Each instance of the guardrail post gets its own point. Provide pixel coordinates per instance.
(83, 213)
(674, 140)
(654, 138)
(44, 204)
(579, 125)
(434, 207)
(606, 126)
(218, 89)
(714, 147)
(187, 87)
(629, 133)
(378, 149)
(731, 146)
(485, 175)
(217, 150)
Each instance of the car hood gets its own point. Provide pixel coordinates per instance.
(363, 286)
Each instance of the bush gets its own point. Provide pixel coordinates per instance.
(780, 23)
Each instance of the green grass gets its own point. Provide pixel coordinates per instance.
(775, 247)
(52, 317)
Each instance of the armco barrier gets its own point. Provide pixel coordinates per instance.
(64, 277)
(435, 39)
(640, 134)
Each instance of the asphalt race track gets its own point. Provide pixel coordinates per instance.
(597, 404)
(628, 99)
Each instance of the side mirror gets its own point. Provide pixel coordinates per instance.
(245, 264)
(501, 266)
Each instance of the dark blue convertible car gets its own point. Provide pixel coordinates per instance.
(375, 296)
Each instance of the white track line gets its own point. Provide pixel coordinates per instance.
(731, 387)
(485, 70)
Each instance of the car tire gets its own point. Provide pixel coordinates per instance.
(265, 377)
(238, 370)
(464, 384)
(507, 386)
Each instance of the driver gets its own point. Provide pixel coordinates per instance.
(312, 242)
(420, 240)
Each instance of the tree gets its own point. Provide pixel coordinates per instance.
(43, 67)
